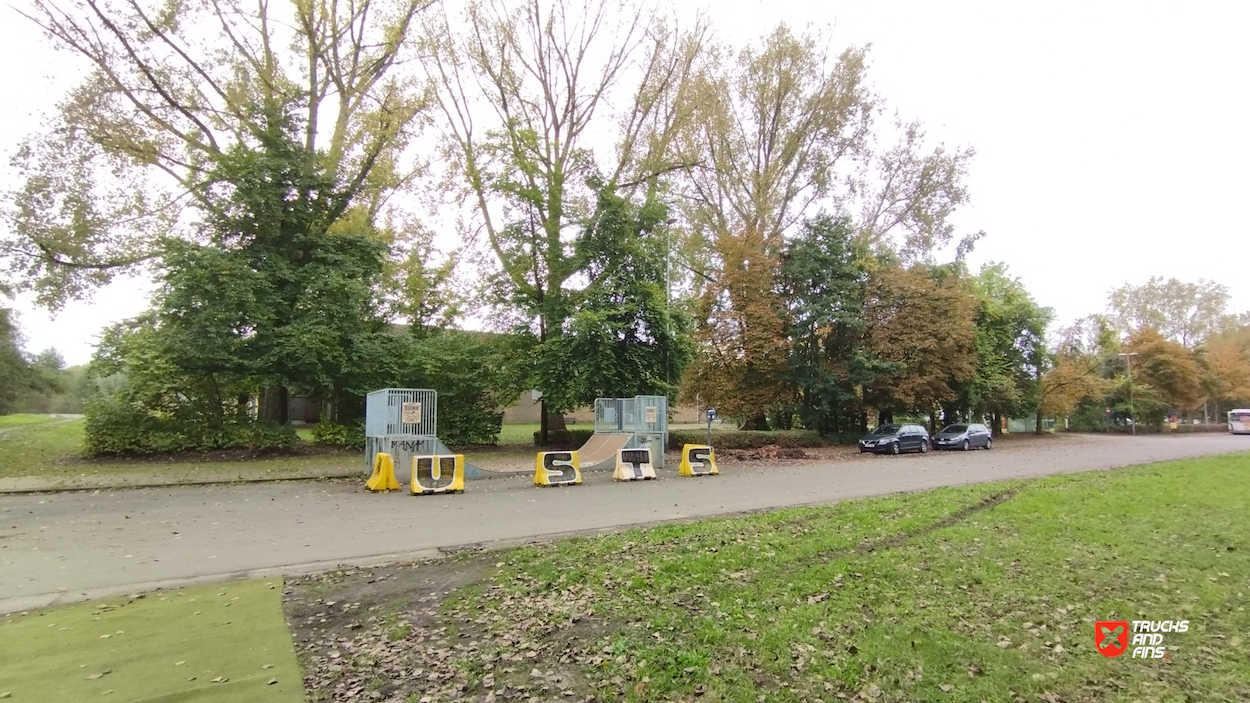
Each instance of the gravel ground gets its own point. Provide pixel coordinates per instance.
(70, 546)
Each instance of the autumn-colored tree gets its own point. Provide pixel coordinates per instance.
(1072, 379)
(1228, 371)
(1165, 367)
(921, 320)
(782, 128)
(743, 355)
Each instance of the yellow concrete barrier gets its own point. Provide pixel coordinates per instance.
(383, 476)
(633, 465)
(557, 469)
(439, 473)
(697, 460)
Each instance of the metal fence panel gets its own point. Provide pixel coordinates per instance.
(608, 414)
(401, 411)
(402, 422)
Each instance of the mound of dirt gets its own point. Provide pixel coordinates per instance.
(771, 452)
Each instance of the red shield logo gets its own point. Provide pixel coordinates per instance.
(1111, 637)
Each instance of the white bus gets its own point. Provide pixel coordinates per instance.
(1239, 421)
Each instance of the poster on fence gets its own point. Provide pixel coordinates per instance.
(410, 413)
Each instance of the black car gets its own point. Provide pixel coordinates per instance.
(965, 437)
(895, 439)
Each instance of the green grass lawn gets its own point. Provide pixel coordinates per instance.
(514, 435)
(53, 450)
(220, 643)
(22, 419)
(981, 593)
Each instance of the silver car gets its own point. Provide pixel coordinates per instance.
(965, 437)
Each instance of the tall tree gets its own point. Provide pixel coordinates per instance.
(274, 296)
(922, 321)
(524, 92)
(784, 128)
(170, 88)
(625, 338)
(16, 374)
(1164, 375)
(1011, 347)
(1184, 312)
(776, 123)
(825, 271)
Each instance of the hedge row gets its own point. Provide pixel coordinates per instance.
(117, 428)
(564, 439)
(572, 439)
(331, 434)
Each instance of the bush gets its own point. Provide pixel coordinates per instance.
(564, 439)
(116, 427)
(332, 434)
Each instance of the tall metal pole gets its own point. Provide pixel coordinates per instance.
(1132, 411)
(668, 315)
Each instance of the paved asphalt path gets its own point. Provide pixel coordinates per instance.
(69, 546)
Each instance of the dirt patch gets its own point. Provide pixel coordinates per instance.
(378, 633)
(403, 633)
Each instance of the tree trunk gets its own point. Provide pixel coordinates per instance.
(549, 422)
(274, 405)
(759, 422)
(996, 427)
(863, 421)
(1038, 378)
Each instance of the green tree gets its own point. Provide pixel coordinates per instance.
(1184, 312)
(275, 296)
(172, 88)
(16, 373)
(625, 338)
(1011, 347)
(524, 91)
(825, 272)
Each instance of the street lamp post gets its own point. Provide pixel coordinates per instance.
(1128, 358)
(668, 317)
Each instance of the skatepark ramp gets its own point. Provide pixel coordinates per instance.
(599, 452)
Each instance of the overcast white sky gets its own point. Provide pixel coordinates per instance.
(1111, 137)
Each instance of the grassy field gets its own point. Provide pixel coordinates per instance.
(982, 593)
(221, 643)
(22, 419)
(52, 449)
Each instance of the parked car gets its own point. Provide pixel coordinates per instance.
(965, 437)
(895, 439)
